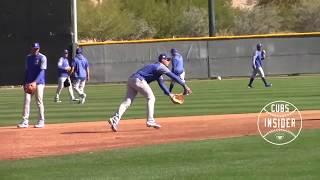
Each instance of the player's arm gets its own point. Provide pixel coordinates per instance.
(263, 54)
(88, 73)
(254, 59)
(174, 77)
(72, 67)
(164, 70)
(43, 67)
(163, 86)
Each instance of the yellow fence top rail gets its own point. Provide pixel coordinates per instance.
(280, 35)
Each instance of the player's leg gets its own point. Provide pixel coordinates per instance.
(70, 90)
(144, 89)
(261, 72)
(83, 95)
(253, 75)
(76, 85)
(78, 88)
(26, 111)
(182, 77)
(131, 94)
(59, 89)
(39, 101)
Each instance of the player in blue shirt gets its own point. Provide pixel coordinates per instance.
(177, 66)
(257, 62)
(63, 75)
(80, 68)
(139, 83)
(36, 64)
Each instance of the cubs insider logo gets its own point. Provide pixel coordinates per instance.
(279, 122)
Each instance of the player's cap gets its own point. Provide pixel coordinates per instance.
(259, 45)
(78, 50)
(65, 51)
(35, 45)
(173, 50)
(163, 56)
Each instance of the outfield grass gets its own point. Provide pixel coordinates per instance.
(243, 158)
(209, 97)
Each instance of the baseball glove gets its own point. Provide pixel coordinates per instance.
(177, 98)
(66, 83)
(30, 88)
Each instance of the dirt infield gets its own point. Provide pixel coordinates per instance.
(57, 139)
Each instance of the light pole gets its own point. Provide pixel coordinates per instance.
(212, 19)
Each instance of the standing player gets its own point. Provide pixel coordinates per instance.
(139, 83)
(177, 66)
(80, 68)
(63, 75)
(257, 61)
(36, 64)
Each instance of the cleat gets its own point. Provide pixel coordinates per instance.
(40, 124)
(57, 100)
(23, 124)
(268, 85)
(113, 123)
(82, 98)
(250, 86)
(153, 124)
(75, 100)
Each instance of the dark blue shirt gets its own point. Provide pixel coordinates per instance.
(35, 68)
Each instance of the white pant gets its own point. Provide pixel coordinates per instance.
(79, 86)
(182, 77)
(256, 71)
(39, 99)
(134, 86)
(61, 86)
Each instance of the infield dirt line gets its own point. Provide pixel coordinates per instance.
(58, 139)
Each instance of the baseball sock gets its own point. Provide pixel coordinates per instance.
(251, 80)
(264, 81)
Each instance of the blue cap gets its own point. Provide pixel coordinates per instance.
(78, 51)
(259, 45)
(163, 56)
(36, 45)
(173, 50)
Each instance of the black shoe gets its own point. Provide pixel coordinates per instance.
(268, 85)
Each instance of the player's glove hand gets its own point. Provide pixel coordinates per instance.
(30, 88)
(177, 98)
(66, 83)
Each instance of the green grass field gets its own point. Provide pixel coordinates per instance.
(209, 97)
(235, 158)
(246, 158)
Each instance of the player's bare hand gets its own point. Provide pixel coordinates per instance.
(187, 91)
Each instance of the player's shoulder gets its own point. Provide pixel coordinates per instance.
(255, 52)
(162, 67)
(44, 57)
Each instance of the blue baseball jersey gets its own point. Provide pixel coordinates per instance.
(35, 68)
(63, 64)
(80, 64)
(257, 59)
(177, 64)
(151, 72)
(154, 72)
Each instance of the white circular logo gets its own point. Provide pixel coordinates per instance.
(279, 122)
